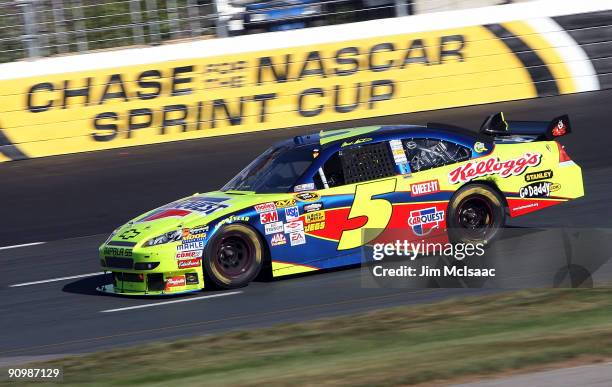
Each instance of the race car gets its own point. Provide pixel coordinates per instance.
(312, 202)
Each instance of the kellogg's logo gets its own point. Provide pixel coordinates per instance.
(492, 166)
(425, 221)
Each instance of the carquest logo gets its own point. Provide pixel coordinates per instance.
(425, 221)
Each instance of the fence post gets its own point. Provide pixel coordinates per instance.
(173, 18)
(400, 8)
(221, 20)
(153, 20)
(30, 36)
(79, 24)
(60, 26)
(194, 18)
(135, 15)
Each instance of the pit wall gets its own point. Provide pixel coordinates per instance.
(206, 88)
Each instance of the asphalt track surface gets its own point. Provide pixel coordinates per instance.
(72, 202)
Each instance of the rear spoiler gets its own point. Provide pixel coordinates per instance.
(497, 126)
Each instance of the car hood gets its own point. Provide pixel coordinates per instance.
(192, 211)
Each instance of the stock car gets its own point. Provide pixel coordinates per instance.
(305, 203)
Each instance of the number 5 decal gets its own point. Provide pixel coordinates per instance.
(378, 212)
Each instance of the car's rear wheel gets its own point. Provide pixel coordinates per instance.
(234, 257)
(476, 214)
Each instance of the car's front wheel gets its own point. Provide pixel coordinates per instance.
(234, 257)
(476, 214)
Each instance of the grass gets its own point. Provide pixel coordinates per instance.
(399, 346)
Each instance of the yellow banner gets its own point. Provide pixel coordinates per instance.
(212, 96)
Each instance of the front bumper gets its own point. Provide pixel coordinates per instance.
(154, 284)
(150, 271)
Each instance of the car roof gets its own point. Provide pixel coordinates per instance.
(330, 137)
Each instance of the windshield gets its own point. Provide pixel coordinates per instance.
(274, 171)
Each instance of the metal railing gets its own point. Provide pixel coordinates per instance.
(39, 28)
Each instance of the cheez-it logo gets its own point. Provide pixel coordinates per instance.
(425, 188)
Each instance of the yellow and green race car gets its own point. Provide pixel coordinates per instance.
(304, 203)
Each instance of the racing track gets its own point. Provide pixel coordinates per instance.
(72, 202)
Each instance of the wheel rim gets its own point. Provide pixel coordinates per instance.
(475, 215)
(233, 256)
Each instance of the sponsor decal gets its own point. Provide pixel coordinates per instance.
(411, 145)
(268, 217)
(175, 281)
(313, 217)
(307, 196)
(355, 142)
(297, 238)
(493, 166)
(284, 203)
(560, 129)
(199, 230)
(304, 187)
(165, 213)
(555, 187)
(117, 252)
(425, 188)
(265, 207)
(425, 221)
(536, 190)
(190, 245)
(479, 147)
(295, 226)
(204, 206)
(524, 207)
(129, 234)
(314, 227)
(191, 278)
(313, 207)
(292, 213)
(232, 219)
(273, 228)
(539, 175)
(187, 263)
(189, 254)
(278, 239)
(398, 152)
(194, 238)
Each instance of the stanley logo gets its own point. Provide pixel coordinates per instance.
(540, 175)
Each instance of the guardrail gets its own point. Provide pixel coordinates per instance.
(218, 87)
(41, 28)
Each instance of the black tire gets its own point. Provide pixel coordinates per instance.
(476, 214)
(234, 257)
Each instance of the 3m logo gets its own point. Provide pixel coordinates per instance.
(268, 217)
